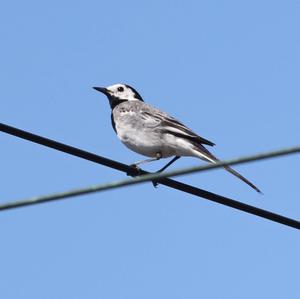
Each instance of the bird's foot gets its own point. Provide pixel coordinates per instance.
(136, 171)
(155, 183)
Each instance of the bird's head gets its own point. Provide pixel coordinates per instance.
(119, 93)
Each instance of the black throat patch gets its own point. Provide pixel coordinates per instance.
(113, 122)
(113, 101)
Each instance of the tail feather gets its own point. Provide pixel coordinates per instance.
(235, 173)
(204, 154)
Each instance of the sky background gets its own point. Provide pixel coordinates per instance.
(228, 69)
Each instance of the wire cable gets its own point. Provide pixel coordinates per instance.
(136, 180)
(134, 172)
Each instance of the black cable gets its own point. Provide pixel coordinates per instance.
(134, 172)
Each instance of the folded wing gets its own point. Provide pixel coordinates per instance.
(170, 125)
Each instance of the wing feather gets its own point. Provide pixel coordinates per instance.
(170, 125)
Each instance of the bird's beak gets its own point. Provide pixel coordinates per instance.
(102, 89)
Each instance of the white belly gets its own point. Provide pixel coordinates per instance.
(136, 140)
(149, 142)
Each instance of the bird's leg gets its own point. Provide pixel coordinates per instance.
(169, 163)
(165, 167)
(157, 157)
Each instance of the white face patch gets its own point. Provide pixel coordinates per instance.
(123, 92)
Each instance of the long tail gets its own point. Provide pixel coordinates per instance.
(204, 154)
(235, 173)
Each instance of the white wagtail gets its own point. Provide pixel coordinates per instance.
(153, 133)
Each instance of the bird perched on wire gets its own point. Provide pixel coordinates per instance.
(153, 133)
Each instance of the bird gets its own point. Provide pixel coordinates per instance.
(153, 133)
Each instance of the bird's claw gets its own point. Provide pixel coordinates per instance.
(155, 184)
(136, 168)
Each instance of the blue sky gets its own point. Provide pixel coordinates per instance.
(228, 69)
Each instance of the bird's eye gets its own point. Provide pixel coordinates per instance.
(120, 88)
